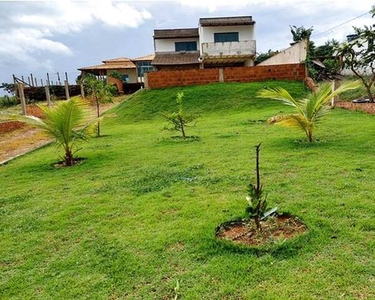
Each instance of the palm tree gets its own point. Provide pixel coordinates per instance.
(309, 110)
(61, 122)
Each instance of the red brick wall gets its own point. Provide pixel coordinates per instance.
(162, 79)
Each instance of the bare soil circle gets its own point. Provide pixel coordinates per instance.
(276, 229)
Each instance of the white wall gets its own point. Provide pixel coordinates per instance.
(292, 55)
(245, 32)
(167, 45)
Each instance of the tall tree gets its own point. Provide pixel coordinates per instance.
(359, 56)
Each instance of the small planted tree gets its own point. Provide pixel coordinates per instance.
(179, 121)
(308, 111)
(100, 92)
(66, 122)
(256, 199)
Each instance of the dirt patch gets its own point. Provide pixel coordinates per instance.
(277, 228)
(10, 126)
(366, 107)
(33, 110)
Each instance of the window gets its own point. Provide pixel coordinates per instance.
(226, 37)
(144, 67)
(186, 46)
(125, 78)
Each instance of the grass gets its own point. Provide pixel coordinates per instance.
(139, 214)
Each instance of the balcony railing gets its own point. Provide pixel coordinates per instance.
(241, 48)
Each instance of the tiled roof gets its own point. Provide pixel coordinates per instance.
(176, 33)
(110, 66)
(118, 59)
(143, 58)
(187, 58)
(226, 21)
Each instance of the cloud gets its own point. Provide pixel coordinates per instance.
(33, 27)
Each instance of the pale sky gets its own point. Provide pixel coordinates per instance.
(61, 36)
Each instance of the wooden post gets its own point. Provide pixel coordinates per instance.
(67, 90)
(32, 79)
(36, 82)
(58, 78)
(48, 96)
(16, 88)
(28, 80)
(335, 85)
(82, 91)
(48, 82)
(221, 75)
(22, 78)
(22, 97)
(66, 77)
(41, 82)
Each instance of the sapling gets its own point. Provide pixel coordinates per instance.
(179, 120)
(256, 200)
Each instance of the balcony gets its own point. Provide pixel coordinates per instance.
(229, 49)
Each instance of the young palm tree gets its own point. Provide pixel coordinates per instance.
(61, 122)
(309, 110)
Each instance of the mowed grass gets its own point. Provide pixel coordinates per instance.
(139, 215)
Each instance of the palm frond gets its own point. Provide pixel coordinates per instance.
(290, 120)
(280, 94)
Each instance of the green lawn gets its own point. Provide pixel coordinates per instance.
(139, 214)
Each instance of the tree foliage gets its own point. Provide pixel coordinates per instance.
(308, 111)
(359, 56)
(179, 120)
(100, 92)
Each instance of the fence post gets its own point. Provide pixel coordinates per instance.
(335, 85)
(22, 97)
(48, 95)
(16, 92)
(67, 90)
(145, 80)
(221, 75)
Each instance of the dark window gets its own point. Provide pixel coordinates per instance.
(186, 46)
(144, 67)
(125, 78)
(226, 37)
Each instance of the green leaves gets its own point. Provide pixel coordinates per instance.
(179, 120)
(309, 110)
(64, 122)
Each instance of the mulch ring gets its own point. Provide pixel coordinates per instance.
(10, 126)
(276, 228)
(366, 107)
(62, 164)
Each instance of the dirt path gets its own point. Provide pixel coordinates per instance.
(26, 138)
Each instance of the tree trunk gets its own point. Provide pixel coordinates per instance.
(182, 129)
(98, 115)
(69, 160)
(309, 136)
(257, 222)
(368, 90)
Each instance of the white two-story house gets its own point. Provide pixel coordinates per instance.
(217, 42)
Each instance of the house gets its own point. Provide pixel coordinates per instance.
(216, 42)
(130, 70)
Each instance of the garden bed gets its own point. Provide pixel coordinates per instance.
(366, 107)
(277, 228)
(10, 126)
